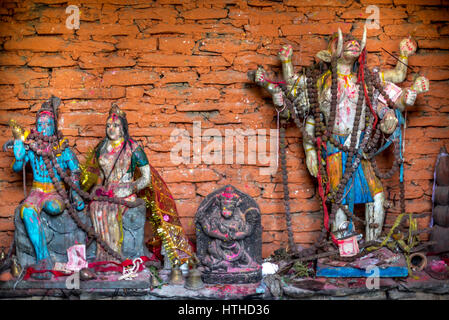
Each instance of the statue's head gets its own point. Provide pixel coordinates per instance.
(46, 117)
(343, 47)
(229, 201)
(46, 125)
(116, 124)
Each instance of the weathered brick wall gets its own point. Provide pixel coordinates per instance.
(171, 62)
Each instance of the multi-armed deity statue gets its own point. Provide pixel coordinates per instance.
(49, 156)
(345, 110)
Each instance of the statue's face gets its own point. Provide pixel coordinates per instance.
(46, 125)
(114, 129)
(227, 208)
(351, 50)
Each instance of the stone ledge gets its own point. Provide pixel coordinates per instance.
(424, 288)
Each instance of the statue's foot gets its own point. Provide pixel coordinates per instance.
(45, 264)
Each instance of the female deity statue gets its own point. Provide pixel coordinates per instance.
(122, 203)
(345, 109)
(117, 157)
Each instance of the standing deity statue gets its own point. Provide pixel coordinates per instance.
(345, 110)
(49, 156)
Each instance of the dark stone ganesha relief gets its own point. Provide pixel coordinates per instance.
(229, 237)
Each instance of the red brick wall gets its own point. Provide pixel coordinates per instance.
(172, 62)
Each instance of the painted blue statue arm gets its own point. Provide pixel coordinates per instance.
(20, 155)
(73, 165)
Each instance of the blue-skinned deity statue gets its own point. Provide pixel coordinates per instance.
(45, 194)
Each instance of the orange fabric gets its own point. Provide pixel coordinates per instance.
(374, 184)
(335, 170)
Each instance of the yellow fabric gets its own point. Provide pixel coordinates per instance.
(405, 246)
(374, 184)
(335, 170)
(88, 170)
(45, 187)
(395, 225)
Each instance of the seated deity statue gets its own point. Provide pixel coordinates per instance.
(50, 156)
(117, 157)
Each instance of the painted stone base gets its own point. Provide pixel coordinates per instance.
(232, 278)
(348, 272)
(380, 263)
(61, 232)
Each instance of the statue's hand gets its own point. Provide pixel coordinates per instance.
(407, 47)
(410, 97)
(312, 162)
(19, 150)
(123, 190)
(389, 122)
(79, 203)
(286, 53)
(278, 98)
(260, 76)
(421, 85)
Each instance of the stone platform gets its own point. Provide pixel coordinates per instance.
(107, 281)
(423, 287)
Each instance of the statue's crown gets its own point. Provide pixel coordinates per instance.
(228, 195)
(50, 107)
(117, 111)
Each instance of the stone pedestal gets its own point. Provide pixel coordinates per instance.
(61, 232)
(133, 233)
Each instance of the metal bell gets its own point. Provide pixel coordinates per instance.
(16, 268)
(193, 281)
(154, 281)
(176, 276)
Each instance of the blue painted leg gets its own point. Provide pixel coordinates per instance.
(53, 207)
(36, 233)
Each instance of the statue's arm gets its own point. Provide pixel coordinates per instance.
(407, 47)
(75, 174)
(273, 88)
(141, 160)
(285, 55)
(145, 179)
(73, 165)
(211, 229)
(20, 155)
(243, 234)
(309, 147)
(409, 95)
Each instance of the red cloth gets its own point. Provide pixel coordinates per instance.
(97, 266)
(321, 190)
